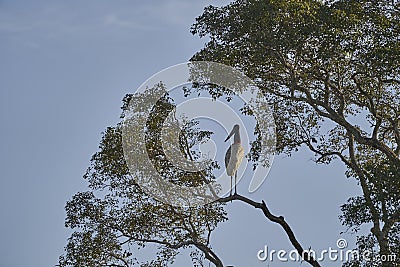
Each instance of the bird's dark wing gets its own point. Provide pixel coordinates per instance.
(227, 157)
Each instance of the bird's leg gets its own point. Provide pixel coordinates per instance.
(230, 189)
(235, 181)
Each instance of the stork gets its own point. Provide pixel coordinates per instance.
(234, 155)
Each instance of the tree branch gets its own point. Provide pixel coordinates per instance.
(279, 220)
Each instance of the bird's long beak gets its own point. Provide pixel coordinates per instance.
(230, 135)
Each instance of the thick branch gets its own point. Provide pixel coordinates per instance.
(279, 220)
(209, 254)
(389, 223)
(337, 118)
(363, 181)
(375, 230)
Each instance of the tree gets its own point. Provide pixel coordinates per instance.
(115, 217)
(330, 69)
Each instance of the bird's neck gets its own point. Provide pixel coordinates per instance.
(236, 138)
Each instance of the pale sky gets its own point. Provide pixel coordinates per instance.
(65, 67)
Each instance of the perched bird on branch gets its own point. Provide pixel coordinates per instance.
(234, 155)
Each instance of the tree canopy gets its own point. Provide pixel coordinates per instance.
(329, 69)
(115, 218)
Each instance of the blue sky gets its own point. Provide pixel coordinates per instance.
(65, 67)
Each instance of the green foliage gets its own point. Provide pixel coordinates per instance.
(330, 69)
(115, 218)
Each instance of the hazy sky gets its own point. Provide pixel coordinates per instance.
(65, 67)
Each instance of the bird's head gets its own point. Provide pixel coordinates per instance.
(235, 130)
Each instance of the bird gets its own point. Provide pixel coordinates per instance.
(234, 155)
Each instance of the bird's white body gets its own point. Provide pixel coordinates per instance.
(235, 158)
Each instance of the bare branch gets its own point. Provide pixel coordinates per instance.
(279, 220)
